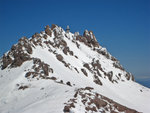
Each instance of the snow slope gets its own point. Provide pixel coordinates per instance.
(51, 66)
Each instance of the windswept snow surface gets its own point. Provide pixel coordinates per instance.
(49, 96)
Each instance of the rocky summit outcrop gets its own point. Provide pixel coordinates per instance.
(48, 30)
(88, 39)
(52, 70)
(18, 54)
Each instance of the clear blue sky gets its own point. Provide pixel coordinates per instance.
(122, 26)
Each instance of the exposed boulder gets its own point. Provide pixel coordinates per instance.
(48, 31)
(97, 80)
(80, 38)
(63, 43)
(93, 108)
(65, 50)
(129, 76)
(57, 31)
(88, 88)
(90, 37)
(59, 57)
(23, 87)
(87, 36)
(77, 44)
(66, 109)
(86, 65)
(71, 53)
(68, 83)
(53, 78)
(84, 72)
(109, 75)
(53, 26)
(76, 70)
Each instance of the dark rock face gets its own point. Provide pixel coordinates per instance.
(99, 102)
(59, 57)
(90, 37)
(68, 83)
(86, 65)
(53, 26)
(23, 87)
(48, 31)
(53, 78)
(87, 35)
(97, 80)
(84, 72)
(77, 44)
(88, 88)
(28, 74)
(66, 109)
(83, 39)
(57, 31)
(65, 50)
(19, 52)
(129, 76)
(94, 102)
(19, 60)
(109, 75)
(71, 53)
(63, 43)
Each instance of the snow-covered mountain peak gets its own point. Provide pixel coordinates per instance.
(55, 64)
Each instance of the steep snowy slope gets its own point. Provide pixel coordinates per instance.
(55, 72)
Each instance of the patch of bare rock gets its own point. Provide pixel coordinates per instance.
(94, 102)
(39, 70)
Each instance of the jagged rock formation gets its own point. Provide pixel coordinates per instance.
(52, 66)
(18, 54)
(23, 49)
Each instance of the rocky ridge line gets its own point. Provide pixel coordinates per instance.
(23, 50)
